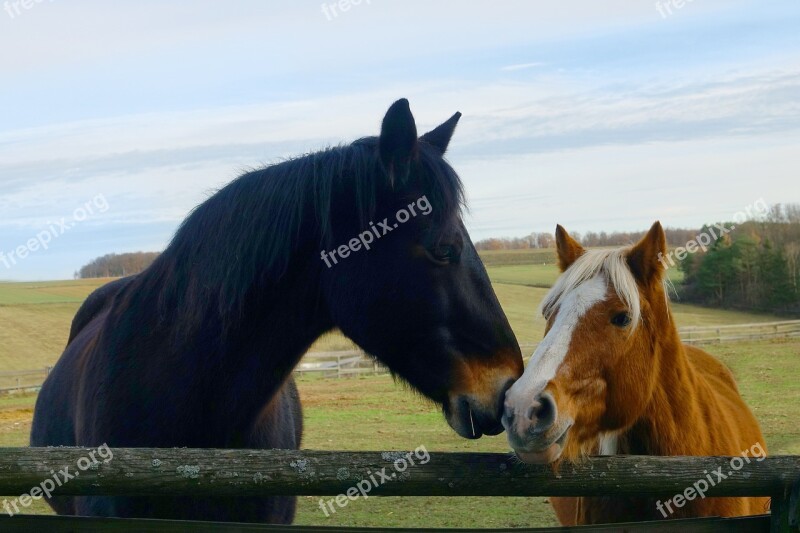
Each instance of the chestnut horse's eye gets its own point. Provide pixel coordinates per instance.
(621, 320)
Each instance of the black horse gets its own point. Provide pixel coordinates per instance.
(198, 349)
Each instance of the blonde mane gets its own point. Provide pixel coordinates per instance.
(614, 268)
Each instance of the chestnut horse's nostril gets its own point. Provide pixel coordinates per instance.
(543, 412)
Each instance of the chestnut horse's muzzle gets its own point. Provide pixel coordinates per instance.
(534, 429)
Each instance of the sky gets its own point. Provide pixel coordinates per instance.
(117, 119)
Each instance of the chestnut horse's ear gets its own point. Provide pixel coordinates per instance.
(439, 137)
(398, 140)
(646, 258)
(568, 248)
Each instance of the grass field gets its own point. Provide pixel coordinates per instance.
(35, 320)
(492, 258)
(544, 275)
(35, 317)
(375, 413)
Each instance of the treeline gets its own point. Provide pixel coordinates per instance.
(116, 265)
(675, 237)
(755, 265)
(534, 240)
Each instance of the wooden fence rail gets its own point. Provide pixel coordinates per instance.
(339, 364)
(62, 524)
(739, 332)
(204, 472)
(19, 380)
(183, 471)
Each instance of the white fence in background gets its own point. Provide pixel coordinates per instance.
(20, 380)
(739, 332)
(339, 364)
(354, 362)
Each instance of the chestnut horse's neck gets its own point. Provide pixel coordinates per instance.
(674, 421)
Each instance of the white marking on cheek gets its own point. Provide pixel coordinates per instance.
(551, 352)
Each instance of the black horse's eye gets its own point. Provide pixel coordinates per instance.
(443, 254)
(621, 320)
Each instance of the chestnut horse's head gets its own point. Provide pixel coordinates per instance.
(594, 372)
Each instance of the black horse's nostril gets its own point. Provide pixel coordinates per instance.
(504, 390)
(543, 412)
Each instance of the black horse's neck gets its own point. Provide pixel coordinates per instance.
(230, 306)
(235, 300)
(260, 353)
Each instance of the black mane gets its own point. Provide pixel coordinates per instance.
(249, 231)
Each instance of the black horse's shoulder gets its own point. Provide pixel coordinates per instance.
(97, 301)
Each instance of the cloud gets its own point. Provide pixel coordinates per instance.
(150, 162)
(521, 66)
(736, 105)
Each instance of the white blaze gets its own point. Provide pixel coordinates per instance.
(550, 353)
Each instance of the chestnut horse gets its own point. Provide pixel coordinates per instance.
(198, 349)
(611, 376)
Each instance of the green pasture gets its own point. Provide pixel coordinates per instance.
(529, 256)
(35, 317)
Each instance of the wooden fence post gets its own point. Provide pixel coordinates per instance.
(785, 510)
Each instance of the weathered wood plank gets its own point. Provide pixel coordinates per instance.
(147, 471)
(67, 524)
(784, 510)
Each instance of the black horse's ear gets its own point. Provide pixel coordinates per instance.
(439, 137)
(398, 140)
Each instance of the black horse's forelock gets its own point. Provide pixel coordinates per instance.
(249, 231)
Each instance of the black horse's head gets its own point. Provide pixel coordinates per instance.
(405, 281)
